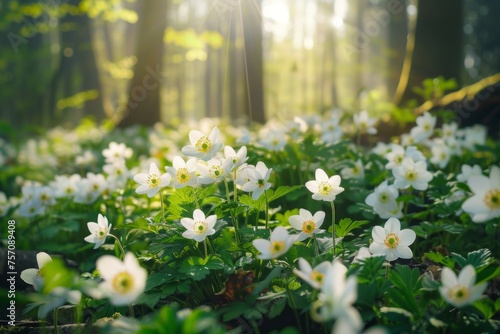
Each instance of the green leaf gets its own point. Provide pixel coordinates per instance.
(453, 228)
(406, 284)
(486, 306)
(480, 257)
(487, 273)
(277, 306)
(477, 258)
(265, 283)
(194, 267)
(164, 276)
(56, 274)
(282, 191)
(234, 310)
(441, 259)
(346, 225)
(258, 205)
(148, 299)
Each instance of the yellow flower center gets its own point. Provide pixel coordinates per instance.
(200, 227)
(216, 171)
(411, 175)
(40, 273)
(123, 282)
(153, 180)
(261, 183)
(182, 175)
(324, 188)
(308, 226)
(277, 246)
(317, 277)
(203, 144)
(492, 199)
(459, 293)
(383, 197)
(391, 240)
(101, 233)
(398, 159)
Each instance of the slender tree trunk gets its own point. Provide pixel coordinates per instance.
(143, 105)
(88, 68)
(252, 33)
(398, 35)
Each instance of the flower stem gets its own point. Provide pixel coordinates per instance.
(119, 244)
(333, 226)
(316, 246)
(235, 193)
(131, 311)
(56, 311)
(161, 204)
(267, 209)
(205, 247)
(195, 197)
(294, 307)
(235, 222)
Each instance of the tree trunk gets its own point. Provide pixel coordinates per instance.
(398, 34)
(143, 105)
(252, 34)
(438, 43)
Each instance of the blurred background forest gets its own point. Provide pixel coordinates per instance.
(142, 61)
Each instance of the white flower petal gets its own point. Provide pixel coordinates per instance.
(407, 237)
(42, 259)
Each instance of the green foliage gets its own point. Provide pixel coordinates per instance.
(435, 88)
(346, 225)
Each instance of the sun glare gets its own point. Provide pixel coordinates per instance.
(276, 18)
(340, 8)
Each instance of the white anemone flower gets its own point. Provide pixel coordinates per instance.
(338, 293)
(201, 146)
(361, 254)
(395, 156)
(383, 198)
(313, 276)
(183, 173)
(238, 158)
(324, 188)
(474, 135)
(34, 276)
(425, 127)
(257, 180)
(391, 241)
(199, 227)
(306, 223)
(467, 171)
(278, 244)
(485, 203)
(98, 231)
(357, 171)
(123, 281)
(365, 124)
(331, 131)
(116, 152)
(151, 183)
(213, 170)
(449, 130)
(460, 291)
(412, 173)
(441, 153)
